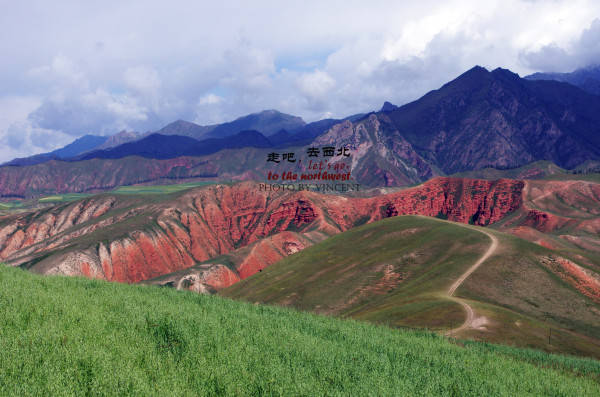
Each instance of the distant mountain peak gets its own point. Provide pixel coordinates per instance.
(181, 122)
(117, 139)
(125, 133)
(269, 112)
(505, 73)
(268, 122)
(477, 68)
(476, 71)
(388, 107)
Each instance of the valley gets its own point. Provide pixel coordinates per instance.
(300, 199)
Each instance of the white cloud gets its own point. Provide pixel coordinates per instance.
(210, 99)
(316, 84)
(579, 52)
(60, 73)
(18, 137)
(143, 80)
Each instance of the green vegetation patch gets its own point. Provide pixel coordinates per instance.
(63, 198)
(67, 336)
(125, 190)
(11, 205)
(159, 189)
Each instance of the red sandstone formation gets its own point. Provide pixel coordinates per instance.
(241, 263)
(111, 238)
(584, 280)
(569, 209)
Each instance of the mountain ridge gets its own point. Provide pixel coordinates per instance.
(588, 78)
(478, 120)
(158, 146)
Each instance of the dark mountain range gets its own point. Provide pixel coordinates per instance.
(285, 130)
(496, 118)
(282, 129)
(267, 122)
(80, 145)
(157, 146)
(588, 79)
(481, 119)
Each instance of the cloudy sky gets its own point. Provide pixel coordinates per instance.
(71, 68)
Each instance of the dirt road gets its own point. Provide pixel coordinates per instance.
(464, 276)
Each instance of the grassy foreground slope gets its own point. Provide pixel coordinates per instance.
(69, 336)
(398, 271)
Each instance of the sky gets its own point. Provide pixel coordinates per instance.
(71, 68)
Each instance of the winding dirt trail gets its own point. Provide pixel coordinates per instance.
(468, 309)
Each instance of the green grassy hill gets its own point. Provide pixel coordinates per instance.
(69, 336)
(398, 271)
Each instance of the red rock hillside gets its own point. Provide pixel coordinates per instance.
(130, 239)
(560, 215)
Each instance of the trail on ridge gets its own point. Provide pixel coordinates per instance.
(468, 309)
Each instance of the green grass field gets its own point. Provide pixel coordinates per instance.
(67, 336)
(10, 205)
(19, 205)
(63, 198)
(127, 190)
(159, 189)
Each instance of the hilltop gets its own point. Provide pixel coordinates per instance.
(406, 272)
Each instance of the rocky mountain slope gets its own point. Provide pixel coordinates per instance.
(498, 119)
(481, 119)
